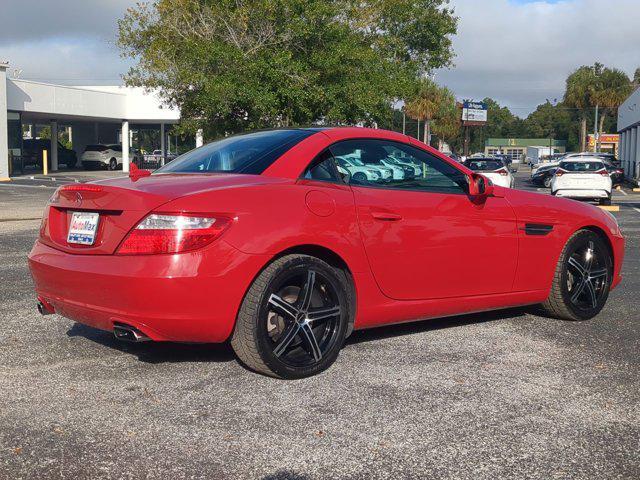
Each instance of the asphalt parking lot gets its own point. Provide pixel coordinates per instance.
(499, 395)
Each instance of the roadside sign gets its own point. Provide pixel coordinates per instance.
(474, 112)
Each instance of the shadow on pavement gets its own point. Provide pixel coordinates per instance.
(161, 352)
(158, 352)
(422, 326)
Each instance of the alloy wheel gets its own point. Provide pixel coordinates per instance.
(587, 276)
(303, 316)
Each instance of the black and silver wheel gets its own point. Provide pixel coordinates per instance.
(113, 164)
(547, 182)
(582, 279)
(294, 318)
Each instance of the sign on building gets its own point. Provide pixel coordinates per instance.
(474, 113)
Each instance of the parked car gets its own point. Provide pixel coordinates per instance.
(32, 149)
(494, 169)
(257, 240)
(544, 174)
(102, 156)
(615, 172)
(358, 169)
(584, 178)
(362, 173)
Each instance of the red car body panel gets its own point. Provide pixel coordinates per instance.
(412, 255)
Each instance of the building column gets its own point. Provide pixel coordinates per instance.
(163, 143)
(199, 138)
(4, 134)
(633, 151)
(54, 145)
(635, 165)
(126, 145)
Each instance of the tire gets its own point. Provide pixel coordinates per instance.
(276, 333)
(547, 182)
(605, 201)
(360, 177)
(113, 164)
(576, 297)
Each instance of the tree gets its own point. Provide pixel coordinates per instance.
(578, 95)
(234, 65)
(446, 125)
(428, 103)
(611, 90)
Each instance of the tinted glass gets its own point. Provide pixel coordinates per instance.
(392, 165)
(237, 154)
(485, 165)
(323, 168)
(581, 166)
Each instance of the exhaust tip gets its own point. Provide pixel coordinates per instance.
(127, 333)
(44, 309)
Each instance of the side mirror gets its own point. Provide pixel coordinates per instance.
(480, 186)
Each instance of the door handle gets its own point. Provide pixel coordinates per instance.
(385, 216)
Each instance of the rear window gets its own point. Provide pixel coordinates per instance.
(481, 165)
(95, 148)
(250, 153)
(582, 166)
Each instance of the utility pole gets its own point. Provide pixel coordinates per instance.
(404, 122)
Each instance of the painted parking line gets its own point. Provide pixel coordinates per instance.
(636, 209)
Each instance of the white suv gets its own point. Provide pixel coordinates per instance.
(101, 156)
(582, 177)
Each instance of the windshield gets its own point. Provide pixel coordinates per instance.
(251, 153)
(582, 166)
(485, 164)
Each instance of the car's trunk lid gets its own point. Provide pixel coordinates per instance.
(121, 203)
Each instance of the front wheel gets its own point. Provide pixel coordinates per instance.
(294, 318)
(582, 278)
(605, 201)
(113, 164)
(547, 182)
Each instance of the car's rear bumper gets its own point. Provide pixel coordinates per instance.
(94, 163)
(581, 193)
(190, 297)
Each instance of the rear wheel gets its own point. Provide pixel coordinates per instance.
(605, 201)
(582, 278)
(294, 318)
(547, 182)
(113, 164)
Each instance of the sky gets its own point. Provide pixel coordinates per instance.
(518, 52)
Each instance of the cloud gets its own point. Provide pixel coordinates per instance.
(520, 53)
(516, 51)
(63, 41)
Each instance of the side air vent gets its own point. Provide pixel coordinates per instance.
(537, 229)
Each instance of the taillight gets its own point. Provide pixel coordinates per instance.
(604, 173)
(172, 233)
(559, 173)
(502, 172)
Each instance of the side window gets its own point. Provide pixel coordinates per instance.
(323, 168)
(394, 165)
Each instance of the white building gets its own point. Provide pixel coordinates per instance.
(93, 115)
(629, 129)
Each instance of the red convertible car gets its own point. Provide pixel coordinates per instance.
(285, 241)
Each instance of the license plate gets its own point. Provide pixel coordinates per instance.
(83, 228)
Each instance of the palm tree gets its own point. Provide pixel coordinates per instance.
(426, 104)
(446, 124)
(580, 87)
(612, 89)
